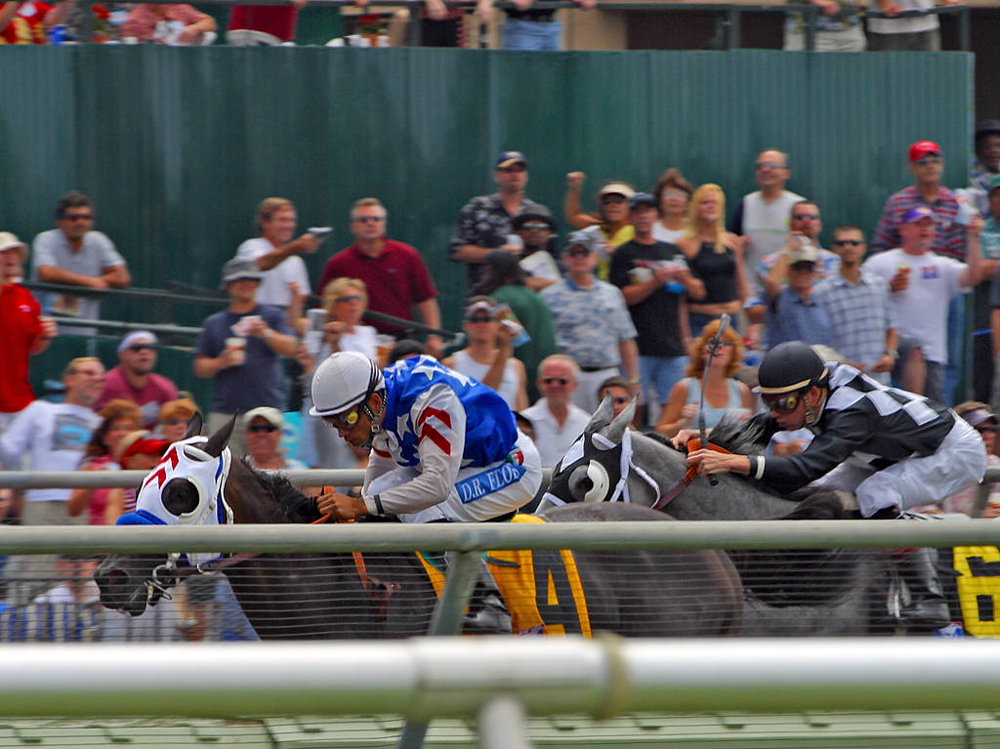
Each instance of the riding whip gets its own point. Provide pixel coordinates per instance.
(713, 344)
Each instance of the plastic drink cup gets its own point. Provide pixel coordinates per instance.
(239, 345)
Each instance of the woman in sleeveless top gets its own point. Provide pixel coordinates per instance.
(715, 256)
(489, 355)
(723, 394)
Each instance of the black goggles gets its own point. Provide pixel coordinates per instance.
(785, 403)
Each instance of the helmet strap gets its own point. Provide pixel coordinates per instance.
(373, 419)
(813, 410)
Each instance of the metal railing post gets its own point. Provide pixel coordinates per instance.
(501, 724)
(734, 16)
(809, 23)
(463, 567)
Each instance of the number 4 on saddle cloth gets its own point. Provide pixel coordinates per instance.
(541, 588)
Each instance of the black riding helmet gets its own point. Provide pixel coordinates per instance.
(789, 367)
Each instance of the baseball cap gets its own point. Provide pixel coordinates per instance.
(534, 213)
(140, 442)
(235, 270)
(509, 158)
(987, 127)
(994, 184)
(978, 414)
(917, 213)
(480, 305)
(924, 148)
(641, 198)
(805, 253)
(586, 239)
(9, 241)
(272, 415)
(616, 188)
(137, 336)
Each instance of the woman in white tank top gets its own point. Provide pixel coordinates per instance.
(489, 355)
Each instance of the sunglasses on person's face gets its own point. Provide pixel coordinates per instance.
(770, 165)
(369, 219)
(142, 347)
(344, 420)
(613, 198)
(257, 428)
(78, 216)
(555, 381)
(928, 160)
(534, 226)
(578, 252)
(847, 242)
(480, 318)
(349, 298)
(783, 404)
(806, 217)
(513, 168)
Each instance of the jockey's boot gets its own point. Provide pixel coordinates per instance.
(928, 608)
(487, 612)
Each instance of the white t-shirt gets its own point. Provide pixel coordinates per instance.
(509, 383)
(766, 224)
(922, 309)
(906, 25)
(663, 234)
(274, 286)
(551, 439)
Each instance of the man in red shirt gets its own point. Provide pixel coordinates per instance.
(23, 332)
(134, 379)
(395, 274)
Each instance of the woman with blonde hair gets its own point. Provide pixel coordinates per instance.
(174, 419)
(715, 256)
(723, 393)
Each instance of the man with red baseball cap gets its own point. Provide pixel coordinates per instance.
(927, 165)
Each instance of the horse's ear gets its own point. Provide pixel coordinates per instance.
(194, 426)
(616, 429)
(601, 416)
(218, 441)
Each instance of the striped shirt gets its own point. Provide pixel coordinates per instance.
(949, 237)
(860, 314)
(863, 421)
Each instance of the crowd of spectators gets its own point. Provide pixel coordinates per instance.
(542, 326)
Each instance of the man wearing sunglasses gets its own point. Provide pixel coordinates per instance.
(134, 379)
(444, 447)
(859, 308)
(893, 450)
(75, 254)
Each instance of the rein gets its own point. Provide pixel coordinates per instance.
(692, 445)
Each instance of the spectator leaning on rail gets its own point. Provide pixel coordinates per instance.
(485, 222)
(240, 348)
(134, 379)
(75, 255)
(276, 253)
(50, 437)
(444, 446)
(892, 449)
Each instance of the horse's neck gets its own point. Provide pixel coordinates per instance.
(735, 498)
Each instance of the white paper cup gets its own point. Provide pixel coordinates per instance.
(239, 345)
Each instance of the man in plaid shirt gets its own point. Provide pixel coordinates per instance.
(860, 309)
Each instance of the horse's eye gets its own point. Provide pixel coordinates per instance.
(180, 496)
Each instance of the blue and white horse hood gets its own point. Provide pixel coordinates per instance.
(596, 468)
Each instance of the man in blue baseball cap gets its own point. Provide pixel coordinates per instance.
(922, 284)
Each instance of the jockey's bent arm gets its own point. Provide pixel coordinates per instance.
(438, 420)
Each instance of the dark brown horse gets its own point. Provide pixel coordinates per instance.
(632, 593)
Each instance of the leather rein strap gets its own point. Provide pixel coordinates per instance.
(692, 444)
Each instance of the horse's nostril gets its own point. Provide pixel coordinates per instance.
(587, 484)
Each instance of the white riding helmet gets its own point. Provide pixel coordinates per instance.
(344, 380)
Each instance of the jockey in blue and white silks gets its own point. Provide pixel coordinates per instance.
(444, 446)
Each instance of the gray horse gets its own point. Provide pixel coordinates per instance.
(788, 593)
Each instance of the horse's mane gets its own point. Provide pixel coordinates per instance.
(293, 505)
(732, 433)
